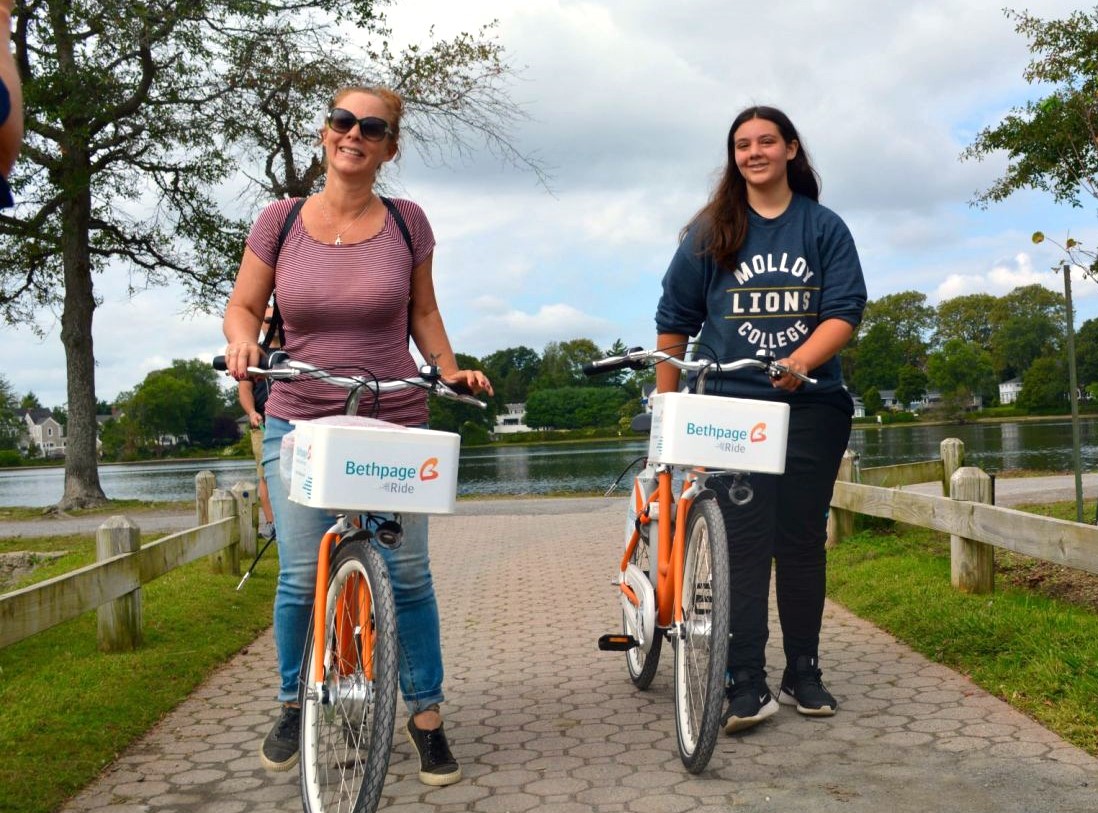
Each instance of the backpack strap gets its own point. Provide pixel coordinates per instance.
(275, 327)
(407, 235)
(399, 218)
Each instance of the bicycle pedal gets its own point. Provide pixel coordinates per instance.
(617, 643)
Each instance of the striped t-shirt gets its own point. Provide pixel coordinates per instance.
(345, 309)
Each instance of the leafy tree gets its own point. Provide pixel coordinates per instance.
(879, 357)
(11, 427)
(909, 319)
(1052, 143)
(1045, 384)
(967, 318)
(574, 407)
(454, 416)
(1086, 351)
(912, 385)
(132, 113)
(511, 372)
(184, 399)
(30, 401)
(958, 371)
(871, 400)
(1028, 323)
(562, 364)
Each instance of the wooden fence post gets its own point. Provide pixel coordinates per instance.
(119, 621)
(971, 563)
(226, 560)
(204, 484)
(953, 457)
(840, 523)
(246, 507)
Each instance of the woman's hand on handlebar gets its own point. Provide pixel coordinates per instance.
(472, 380)
(239, 356)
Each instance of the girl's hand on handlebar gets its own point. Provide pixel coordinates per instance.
(787, 381)
(473, 380)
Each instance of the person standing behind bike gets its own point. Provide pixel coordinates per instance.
(350, 292)
(764, 267)
(252, 394)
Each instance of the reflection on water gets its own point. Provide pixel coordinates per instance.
(562, 468)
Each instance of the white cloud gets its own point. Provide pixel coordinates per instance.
(630, 101)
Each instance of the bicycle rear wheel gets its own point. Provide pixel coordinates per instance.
(347, 723)
(701, 643)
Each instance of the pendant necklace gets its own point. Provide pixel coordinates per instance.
(341, 232)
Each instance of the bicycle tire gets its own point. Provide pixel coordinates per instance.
(701, 643)
(642, 665)
(347, 728)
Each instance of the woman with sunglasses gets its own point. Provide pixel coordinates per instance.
(349, 287)
(763, 267)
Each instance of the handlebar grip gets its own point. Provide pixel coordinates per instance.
(609, 365)
(266, 360)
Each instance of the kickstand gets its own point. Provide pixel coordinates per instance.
(255, 561)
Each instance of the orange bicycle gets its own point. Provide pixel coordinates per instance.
(674, 574)
(349, 668)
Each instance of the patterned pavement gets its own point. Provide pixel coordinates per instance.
(543, 721)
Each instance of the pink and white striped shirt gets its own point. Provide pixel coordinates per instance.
(345, 308)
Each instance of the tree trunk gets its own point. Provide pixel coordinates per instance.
(82, 488)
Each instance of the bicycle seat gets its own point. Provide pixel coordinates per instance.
(642, 423)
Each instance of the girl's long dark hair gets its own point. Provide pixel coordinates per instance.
(722, 221)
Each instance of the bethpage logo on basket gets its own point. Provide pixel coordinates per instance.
(728, 439)
(395, 478)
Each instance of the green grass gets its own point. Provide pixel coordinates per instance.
(1038, 654)
(22, 513)
(69, 710)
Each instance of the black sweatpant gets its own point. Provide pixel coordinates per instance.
(785, 522)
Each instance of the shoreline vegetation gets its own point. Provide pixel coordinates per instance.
(555, 436)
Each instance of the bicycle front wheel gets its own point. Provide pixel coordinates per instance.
(642, 665)
(701, 642)
(347, 720)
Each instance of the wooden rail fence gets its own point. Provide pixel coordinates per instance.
(975, 527)
(226, 530)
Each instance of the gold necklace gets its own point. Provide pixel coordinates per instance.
(328, 218)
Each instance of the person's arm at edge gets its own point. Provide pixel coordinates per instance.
(667, 377)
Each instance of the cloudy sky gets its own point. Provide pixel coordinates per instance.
(629, 103)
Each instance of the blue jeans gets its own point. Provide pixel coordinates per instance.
(299, 532)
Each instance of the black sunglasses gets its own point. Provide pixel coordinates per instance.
(371, 127)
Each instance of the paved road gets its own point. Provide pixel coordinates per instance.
(544, 722)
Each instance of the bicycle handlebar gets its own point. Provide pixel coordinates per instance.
(278, 366)
(636, 358)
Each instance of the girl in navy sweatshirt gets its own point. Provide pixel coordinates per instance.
(764, 267)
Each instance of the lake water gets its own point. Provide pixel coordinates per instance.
(563, 468)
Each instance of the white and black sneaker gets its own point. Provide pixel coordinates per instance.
(802, 686)
(749, 701)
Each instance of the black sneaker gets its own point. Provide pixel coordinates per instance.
(283, 742)
(749, 701)
(802, 687)
(437, 765)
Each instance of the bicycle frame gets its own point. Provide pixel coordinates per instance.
(670, 547)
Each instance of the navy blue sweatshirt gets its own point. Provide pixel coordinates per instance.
(792, 272)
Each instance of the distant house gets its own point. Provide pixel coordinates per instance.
(1008, 390)
(512, 419)
(42, 431)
